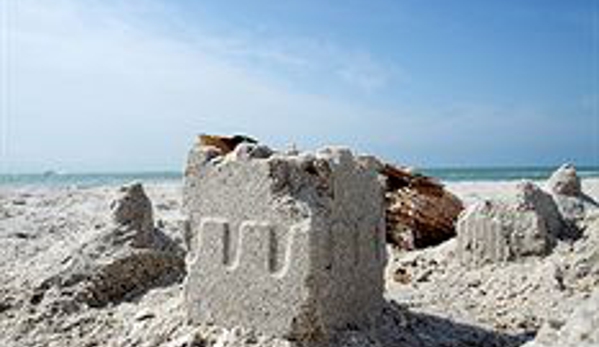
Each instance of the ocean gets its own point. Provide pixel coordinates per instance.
(443, 174)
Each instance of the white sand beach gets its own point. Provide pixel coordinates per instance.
(443, 303)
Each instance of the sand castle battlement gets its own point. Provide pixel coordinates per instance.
(288, 245)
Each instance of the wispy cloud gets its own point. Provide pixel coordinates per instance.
(364, 73)
(344, 67)
(112, 89)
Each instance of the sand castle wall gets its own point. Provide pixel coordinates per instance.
(289, 245)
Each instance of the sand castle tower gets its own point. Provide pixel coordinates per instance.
(288, 245)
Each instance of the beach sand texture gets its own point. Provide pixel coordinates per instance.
(438, 302)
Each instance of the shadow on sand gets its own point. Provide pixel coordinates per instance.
(400, 327)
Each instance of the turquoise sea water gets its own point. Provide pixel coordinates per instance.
(444, 174)
(503, 173)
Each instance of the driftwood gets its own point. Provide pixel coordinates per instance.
(225, 144)
(420, 211)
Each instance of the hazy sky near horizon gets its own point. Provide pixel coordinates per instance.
(90, 85)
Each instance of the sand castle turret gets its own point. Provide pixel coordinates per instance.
(288, 245)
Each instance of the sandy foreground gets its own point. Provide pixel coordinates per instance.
(436, 303)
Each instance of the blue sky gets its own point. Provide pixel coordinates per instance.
(93, 85)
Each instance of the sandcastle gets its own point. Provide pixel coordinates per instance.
(500, 231)
(290, 245)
